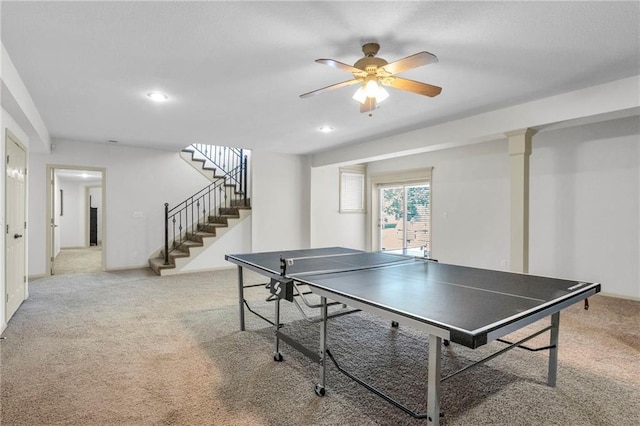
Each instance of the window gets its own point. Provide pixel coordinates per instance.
(352, 189)
(405, 218)
(401, 212)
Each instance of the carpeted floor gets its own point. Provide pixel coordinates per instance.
(80, 259)
(129, 348)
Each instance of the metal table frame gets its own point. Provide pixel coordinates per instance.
(436, 337)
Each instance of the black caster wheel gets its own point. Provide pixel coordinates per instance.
(446, 342)
(394, 324)
(320, 390)
(277, 357)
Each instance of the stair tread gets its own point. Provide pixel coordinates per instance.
(190, 243)
(220, 220)
(178, 253)
(158, 262)
(205, 234)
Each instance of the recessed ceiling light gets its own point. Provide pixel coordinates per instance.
(157, 96)
(326, 129)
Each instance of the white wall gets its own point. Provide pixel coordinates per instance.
(584, 209)
(142, 180)
(72, 230)
(280, 201)
(136, 180)
(71, 224)
(585, 204)
(329, 227)
(470, 202)
(235, 240)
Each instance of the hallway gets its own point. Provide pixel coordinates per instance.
(83, 259)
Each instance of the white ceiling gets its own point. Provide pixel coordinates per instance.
(234, 70)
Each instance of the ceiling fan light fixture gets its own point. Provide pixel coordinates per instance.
(381, 95)
(371, 72)
(371, 88)
(360, 95)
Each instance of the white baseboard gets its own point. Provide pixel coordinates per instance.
(124, 268)
(34, 277)
(618, 296)
(194, 271)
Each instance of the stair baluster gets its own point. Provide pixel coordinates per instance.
(210, 205)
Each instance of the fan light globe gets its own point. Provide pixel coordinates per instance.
(371, 89)
(360, 95)
(381, 95)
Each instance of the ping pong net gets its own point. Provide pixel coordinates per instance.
(339, 262)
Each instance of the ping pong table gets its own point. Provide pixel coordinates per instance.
(451, 303)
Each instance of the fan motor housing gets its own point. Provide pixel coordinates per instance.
(372, 61)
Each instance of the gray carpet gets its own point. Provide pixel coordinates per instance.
(132, 348)
(79, 259)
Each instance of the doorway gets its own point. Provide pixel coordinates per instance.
(76, 217)
(405, 219)
(401, 212)
(16, 221)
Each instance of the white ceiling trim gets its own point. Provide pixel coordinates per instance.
(603, 100)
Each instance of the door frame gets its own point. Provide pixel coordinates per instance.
(50, 208)
(403, 177)
(11, 137)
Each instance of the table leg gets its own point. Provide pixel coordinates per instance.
(433, 380)
(277, 356)
(320, 390)
(553, 352)
(241, 297)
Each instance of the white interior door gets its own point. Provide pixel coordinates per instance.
(15, 263)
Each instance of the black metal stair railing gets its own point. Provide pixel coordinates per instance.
(229, 190)
(229, 160)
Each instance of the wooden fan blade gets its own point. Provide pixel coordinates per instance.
(368, 105)
(410, 62)
(340, 66)
(332, 87)
(414, 86)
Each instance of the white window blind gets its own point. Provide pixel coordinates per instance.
(351, 191)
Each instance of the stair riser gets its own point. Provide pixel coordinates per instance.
(215, 226)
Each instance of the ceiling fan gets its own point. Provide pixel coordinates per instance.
(372, 72)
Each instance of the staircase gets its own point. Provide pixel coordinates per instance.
(203, 218)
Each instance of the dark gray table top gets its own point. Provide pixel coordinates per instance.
(469, 302)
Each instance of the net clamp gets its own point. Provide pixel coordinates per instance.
(281, 287)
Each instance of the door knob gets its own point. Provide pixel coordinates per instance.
(16, 236)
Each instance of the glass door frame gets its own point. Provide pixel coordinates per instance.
(407, 243)
(400, 178)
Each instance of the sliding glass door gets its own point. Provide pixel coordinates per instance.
(405, 219)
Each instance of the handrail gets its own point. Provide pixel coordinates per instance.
(227, 159)
(229, 189)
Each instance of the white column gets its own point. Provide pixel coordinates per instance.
(519, 152)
